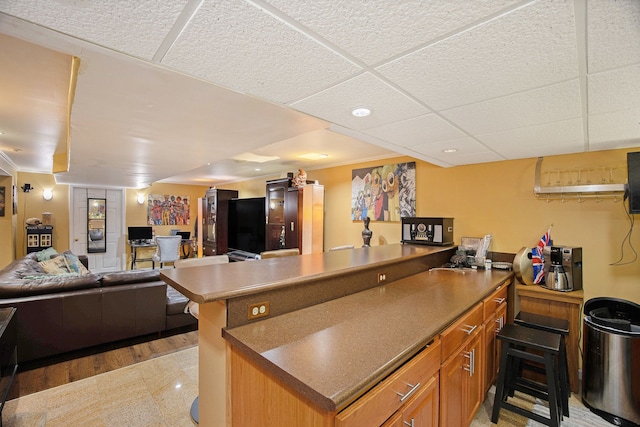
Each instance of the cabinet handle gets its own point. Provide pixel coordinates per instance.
(292, 228)
(499, 300)
(470, 331)
(409, 424)
(404, 397)
(473, 363)
(500, 322)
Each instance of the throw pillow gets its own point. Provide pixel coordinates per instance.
(74, 264)
(46, 254)
(57, 265)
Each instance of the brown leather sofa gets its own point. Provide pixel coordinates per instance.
(71, 312)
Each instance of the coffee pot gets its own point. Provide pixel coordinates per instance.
(557, 279)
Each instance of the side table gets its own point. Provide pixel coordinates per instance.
(8, 353)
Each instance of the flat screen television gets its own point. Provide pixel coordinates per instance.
(247, 224)
(633, 186)
(140, 233)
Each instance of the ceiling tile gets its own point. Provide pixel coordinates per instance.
(614, 90)
(546, 139)
(547, 104)
(245, 49)
(466, 147)
(530, 47)
(335, 104)
(425, 129)
(620, 129)
(613, 34)
(134, 27)
(373, 30)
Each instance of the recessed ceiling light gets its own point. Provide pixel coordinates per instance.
(450, 150)
(257, 169)
(361, 111)
(313, 156)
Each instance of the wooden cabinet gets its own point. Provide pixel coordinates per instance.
(461, 385)
(495, 317)
(39, 237)
(281, 201)
(215, 238)
(563, 305)
(408, 395)
(421, 410)
(295, 216)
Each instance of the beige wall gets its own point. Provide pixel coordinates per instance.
(498, 198)
(494, 198)
(32, 205)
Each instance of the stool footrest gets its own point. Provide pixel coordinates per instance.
(526, 413)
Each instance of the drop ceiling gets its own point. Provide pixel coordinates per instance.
(187, 90)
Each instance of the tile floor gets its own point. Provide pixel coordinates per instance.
(160, 391)
(157, 392)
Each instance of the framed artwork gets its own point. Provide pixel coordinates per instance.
(384, 193)
(96, 225)
(2, 200)
(165, 209)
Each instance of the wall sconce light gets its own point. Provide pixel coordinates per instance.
(141, 198)
(47, 194)
(26, 187)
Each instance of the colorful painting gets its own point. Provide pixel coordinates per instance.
(164, 209)
(384, 193)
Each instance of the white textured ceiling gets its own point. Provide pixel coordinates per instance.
(167, 86)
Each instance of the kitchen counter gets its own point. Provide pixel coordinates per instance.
(335, 351)
(228, 281)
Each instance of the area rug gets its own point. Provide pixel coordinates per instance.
(580, 415)
(156, 392)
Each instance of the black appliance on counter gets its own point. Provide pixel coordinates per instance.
(427, 231)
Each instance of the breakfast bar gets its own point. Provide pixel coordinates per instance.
(338, 323)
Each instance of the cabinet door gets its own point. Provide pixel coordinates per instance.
(275, 216)
(451, 390)
(475, 386)
(490, 363)
(422, 410)
(292, 232)
(461, 383)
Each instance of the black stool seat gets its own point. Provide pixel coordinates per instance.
(544, 323)
(558, 326)
(534, 345)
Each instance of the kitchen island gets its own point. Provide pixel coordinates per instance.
(345, 320)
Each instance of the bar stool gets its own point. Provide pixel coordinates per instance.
(556, 326)
(522, 343)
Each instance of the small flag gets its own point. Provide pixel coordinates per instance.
(537, 257)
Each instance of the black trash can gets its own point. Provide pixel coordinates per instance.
(611, 360)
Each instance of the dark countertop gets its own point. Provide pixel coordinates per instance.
(220, 282)
(335, 351)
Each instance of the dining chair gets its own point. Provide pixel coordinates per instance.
(167, 250)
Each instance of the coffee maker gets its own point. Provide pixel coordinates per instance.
(563, 268)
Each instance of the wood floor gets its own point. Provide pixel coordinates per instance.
(52, 372)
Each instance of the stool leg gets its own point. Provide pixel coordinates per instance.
(500, 383)
(564, 377)
(552, 386)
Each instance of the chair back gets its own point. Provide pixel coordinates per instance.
(207, 260)
(339, 248)
(279, 253)
(167, 249)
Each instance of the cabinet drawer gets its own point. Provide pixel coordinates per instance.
(377, 405)
(493, 301)
(456, 334)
